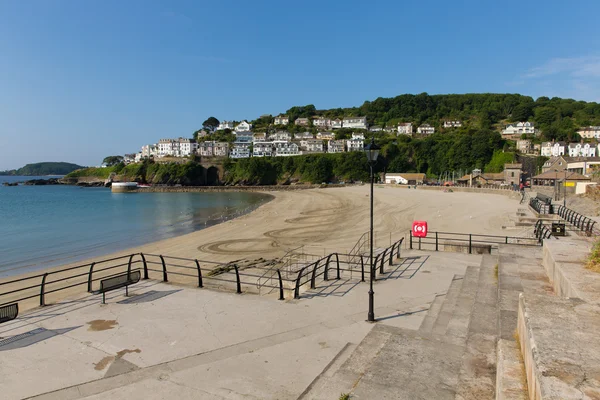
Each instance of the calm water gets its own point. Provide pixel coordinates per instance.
(44, 226)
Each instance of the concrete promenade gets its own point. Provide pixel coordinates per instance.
(177, 342)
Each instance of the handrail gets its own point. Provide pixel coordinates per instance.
(469, 239)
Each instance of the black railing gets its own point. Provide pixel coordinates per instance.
(540, 206)
(580, 221)
(542, 231)
(467, 240)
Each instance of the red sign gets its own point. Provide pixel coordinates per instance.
(419, 229)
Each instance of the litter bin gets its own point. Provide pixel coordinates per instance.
(558, 229)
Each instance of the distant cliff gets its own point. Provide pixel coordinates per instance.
(43, 168)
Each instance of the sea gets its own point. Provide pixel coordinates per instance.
(46, 226)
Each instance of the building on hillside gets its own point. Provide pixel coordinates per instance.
(243, 126)
(212, 148)
(518, 129)
(282, 120)
(553, 149)
(582, 150)
(336, 124)
(325, 135)
(356, 143)
(375, 128)
(335, 146)
(425, 129)
(359, 135)
(181, 147)
(202, 133)
(405, 178)
(452, 124)
(245, 136)
(241, 146)
(589, 132)
(149, 150)
(280, 135)
(303, 135)
(524, 146)
(479, 178)
(302, 122)
(390, 129)
(263, 149)
(558, 163)
(128, 159)
(583, 165)
(512, 174)
(138, 157)
(355, 122)
(321, 123)
(405, 128)
(550, 178)
(225, 125)
(309, 146)
(284, 148)
(259, 137)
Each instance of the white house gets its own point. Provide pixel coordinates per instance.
(311, 146)
(263, 149)
(452, 124)
(355, 144)
(589, 132)
(405, 129)
(149, 150)
(405, 178)
(138, 157)
(240, 150)
(582, 150)
(551, 149)
(337, 124)
(181, 147)
(360, 136)
(355, 122)
(225, 125)
(243, 126)
(259, 137)
(213, 149)
(518, 129)
(303, 135)
(282, 120)
(284, 148)
(322, 122)
(302, 122)
(280, 135)
(375, 128)
(335, 146)
(426, 129)
(325, 135)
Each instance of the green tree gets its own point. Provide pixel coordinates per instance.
(211, 124)
(112, 160)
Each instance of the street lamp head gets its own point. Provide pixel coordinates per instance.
(372, 151)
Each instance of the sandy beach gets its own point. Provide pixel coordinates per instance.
(325, 221)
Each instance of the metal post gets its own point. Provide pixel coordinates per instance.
(43, 291)
(164, 265)
(371, 315)
(362, 269)
(281, 297)
(470, 243)
(297, 289)
(90, 277)
(436, 241)
(145, 265)
(129, 266)
(199, 274)
(337, 258)
(237, 277)
(312, 279)
(410, 232)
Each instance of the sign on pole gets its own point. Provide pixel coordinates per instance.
(419, 229)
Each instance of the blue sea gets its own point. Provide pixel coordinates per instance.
(45, 226)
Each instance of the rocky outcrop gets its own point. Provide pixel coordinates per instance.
(42, 182)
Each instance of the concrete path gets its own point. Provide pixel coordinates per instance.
(169, 341)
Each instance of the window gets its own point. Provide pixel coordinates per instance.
(512, 174)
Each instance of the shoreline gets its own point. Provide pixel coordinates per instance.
(31, 270)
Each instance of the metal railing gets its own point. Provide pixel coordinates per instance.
(580, 221)
(542, 231)
(468, 240)
(541, 207)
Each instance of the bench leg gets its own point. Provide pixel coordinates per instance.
(126, 291)
(103, 298)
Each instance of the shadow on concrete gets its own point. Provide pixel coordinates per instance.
(148, 296)
(407, 269)
(402, 314)
(333, 287)
(58, 309)
(32, 337)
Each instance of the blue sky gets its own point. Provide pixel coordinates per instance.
(80, 80)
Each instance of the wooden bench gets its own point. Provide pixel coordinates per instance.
(544, 198)
(117, 282)
(9, 312)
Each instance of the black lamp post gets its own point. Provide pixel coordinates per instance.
(372, 151)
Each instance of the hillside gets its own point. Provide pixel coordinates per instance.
(43, 168)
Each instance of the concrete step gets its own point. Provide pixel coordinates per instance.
(458, 327)
(445, 314)
(411, 365)
(346, 377)
(477, 379)
(560, 346)
(511, 381)
(433, 312)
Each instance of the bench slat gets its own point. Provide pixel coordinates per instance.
(119, 281)
(9, 312)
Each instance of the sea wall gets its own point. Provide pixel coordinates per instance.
(188, 189)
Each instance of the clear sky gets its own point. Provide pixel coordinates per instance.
(83, 79)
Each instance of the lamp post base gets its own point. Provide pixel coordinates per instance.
(371, 315)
